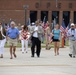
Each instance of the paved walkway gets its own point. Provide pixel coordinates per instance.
(47, 64)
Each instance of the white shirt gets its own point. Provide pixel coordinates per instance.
(70, 33)
(35, 34)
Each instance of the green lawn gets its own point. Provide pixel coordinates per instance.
(43, 44)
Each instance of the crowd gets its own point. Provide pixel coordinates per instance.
(35, 33)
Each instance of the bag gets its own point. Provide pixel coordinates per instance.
(53, 36)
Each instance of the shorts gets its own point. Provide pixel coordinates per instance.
(56, 40)
(12, 42)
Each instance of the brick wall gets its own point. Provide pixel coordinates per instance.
(14, 8)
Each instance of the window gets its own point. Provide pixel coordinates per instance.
(70, 5)
(55, 15)
(59, 5)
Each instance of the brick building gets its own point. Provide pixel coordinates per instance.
(37, 9)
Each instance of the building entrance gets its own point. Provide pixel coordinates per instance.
(44, 14)
(75, 17)
(66, 17)
(33, 16)
(55, 15)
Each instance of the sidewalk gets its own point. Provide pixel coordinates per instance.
(47, 64)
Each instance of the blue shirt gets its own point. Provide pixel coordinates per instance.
(12, 32)
(56, 33)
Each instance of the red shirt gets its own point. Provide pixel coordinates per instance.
(24, 35)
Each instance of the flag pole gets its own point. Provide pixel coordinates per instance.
(62, 38)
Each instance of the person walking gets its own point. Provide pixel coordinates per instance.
(48, 37)
(56, 38)
(2, 40)
(36, 33)
(72, 40)
(24, 39)
(12, 36)
(20, 37)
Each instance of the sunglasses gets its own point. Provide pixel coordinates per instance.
(72, 26)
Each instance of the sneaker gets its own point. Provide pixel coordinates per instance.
(38, 56)
(14, 55)
(58, 53)
(22, 52)
(32, 56)
(73, 56)
(26, 51)
(1, 57)
(70, 55)
(11, 57)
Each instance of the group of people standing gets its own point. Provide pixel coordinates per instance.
(34, 34)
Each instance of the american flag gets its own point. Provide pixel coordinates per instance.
(63, 27)
(44, 23)
(67, 28)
